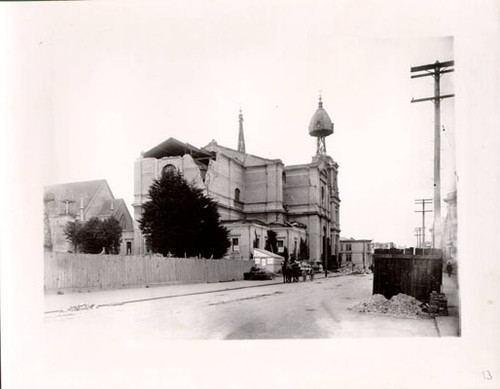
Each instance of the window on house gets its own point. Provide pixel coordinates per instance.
(256, 243)
(348, 247)
(235, 245)
(168, 169)
(67, 207)
(123, 223)
(281, 245)
(237, 194)
(348, 257)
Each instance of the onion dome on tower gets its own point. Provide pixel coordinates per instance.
(320, 127)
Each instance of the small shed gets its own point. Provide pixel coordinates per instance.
(268, 260)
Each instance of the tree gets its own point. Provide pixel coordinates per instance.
(94, 235)
(271, 242)
(179, 219)
(255, 241)
(303, 249)
(90, 237)
(72, 231)
(285, 253)
(111, 235)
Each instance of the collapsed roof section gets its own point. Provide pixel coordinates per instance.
(175, 148)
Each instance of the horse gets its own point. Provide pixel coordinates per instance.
(296, 272)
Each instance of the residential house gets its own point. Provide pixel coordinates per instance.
(356, 253)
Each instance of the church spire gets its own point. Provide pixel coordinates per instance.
(241, 138)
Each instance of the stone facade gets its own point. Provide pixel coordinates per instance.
(254, 194)
(312, 199)
(82, 201)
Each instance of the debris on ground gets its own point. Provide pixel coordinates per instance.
(348, 270)
(400, 305)
(81, 307)
(257, 273)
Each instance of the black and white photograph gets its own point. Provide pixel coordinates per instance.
(236, 193)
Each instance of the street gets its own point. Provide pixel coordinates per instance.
(237, 310)
(119, 338)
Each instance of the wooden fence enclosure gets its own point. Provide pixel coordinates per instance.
(414, 275)
(68, 271)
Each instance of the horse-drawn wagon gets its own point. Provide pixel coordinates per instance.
(293, 271)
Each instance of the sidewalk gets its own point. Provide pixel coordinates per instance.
(57, 303)
(450, 325)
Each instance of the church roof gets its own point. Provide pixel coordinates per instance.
(74, 191)
(174, 148)
(244, 158)
(110, 207)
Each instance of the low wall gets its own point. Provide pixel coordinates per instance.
(88, 271)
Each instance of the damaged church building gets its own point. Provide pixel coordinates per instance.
(255, 194)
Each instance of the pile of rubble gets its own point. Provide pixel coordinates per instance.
(400, 305)
(348, 270)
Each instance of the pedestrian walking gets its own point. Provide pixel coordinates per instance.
(449, 268)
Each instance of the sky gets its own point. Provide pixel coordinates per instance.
(119, 79)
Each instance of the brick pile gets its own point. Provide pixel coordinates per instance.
(438, 304)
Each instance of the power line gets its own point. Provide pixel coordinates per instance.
(423, 203)
(435, 70)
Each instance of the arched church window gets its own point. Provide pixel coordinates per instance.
(168, 169)
(237, 194)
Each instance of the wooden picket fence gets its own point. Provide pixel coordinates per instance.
(68, 271)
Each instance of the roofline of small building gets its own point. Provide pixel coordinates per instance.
(46, 187)
(303, 165)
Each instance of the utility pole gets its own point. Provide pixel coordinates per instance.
(418, 234)
(423, 203)
(435, 70)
